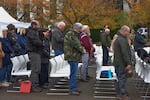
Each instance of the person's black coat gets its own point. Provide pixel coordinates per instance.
(139, 41)
(34, 44)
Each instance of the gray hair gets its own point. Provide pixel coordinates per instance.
(77, 26)
(124, 28)
(84, 27)
(61, 23)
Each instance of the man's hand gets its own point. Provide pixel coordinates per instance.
(129, 71)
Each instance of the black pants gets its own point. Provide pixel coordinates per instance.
(35, 61)
(44, 73)
(105, 55)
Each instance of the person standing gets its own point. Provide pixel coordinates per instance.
(106, 42)
(122, 61)
(13, 38)
(139, 42)
(87, 44)
(22, 41)
(6, 68)
(45, 56)
(34, 48)
(58, 38)
(73, 53)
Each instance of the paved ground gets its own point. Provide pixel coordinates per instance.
(87, 92)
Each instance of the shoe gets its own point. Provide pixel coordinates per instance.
(76, 92)
(119, 98)
(36, 89)
(45, 86)
(4, 84)
(125, 98)
(88, 77)
(83, 80)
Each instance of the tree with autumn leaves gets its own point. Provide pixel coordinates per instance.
(139, 14)
(95, 13)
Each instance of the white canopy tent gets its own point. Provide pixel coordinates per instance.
(6, 19)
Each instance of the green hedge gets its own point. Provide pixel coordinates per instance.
(95, 35)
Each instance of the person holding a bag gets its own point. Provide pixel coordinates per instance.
(122, 61)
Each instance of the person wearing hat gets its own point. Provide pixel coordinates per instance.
(34, 48)
(73, 53)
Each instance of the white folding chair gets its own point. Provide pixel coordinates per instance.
(53, 67)
(26, 57)
(16, 65)
(22, 62)
(19, 67)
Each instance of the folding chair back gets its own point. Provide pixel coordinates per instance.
(16, 65)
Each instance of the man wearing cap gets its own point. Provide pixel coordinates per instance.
(34, 48)
(73, 53)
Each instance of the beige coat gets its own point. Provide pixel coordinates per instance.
(2, 54)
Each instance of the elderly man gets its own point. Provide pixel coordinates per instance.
(34, 48)
(87, 44)
(106, 42)
(73, 52)
(58, 38)
(122, 61)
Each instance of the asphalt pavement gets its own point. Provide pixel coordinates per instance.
(87, 89)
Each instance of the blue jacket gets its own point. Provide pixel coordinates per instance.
(45, 55)
(22, 43)
(12, 37)
(6, 46)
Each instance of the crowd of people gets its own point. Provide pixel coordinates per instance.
(76, 45)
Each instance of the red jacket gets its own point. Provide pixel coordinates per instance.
(86, 42)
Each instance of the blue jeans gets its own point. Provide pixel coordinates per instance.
(105, 55)
(121, 84)
(5, 73)
(84, 68)
(2, 74)
(58, 52)
(73, 73)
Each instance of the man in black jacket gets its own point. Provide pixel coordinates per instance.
(34, 48)
(122, 61)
